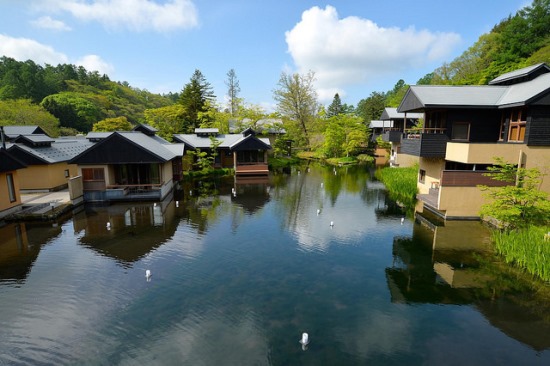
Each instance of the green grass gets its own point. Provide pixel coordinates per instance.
(401, 183)
(526, 249)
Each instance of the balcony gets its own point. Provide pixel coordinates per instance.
(428, 143)
(481, 153)
(468, 178)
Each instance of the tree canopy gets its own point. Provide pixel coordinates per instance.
(196, 97)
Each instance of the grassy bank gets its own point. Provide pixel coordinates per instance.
(401, 183)
(346, 160)
(526, 249)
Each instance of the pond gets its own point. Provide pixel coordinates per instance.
(236, 278)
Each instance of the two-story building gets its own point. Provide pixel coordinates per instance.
(394, 125)
(466, 127)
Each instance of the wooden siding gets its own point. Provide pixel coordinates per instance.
(392, 136)
(427, 145)
(467, 178)
(538, 127)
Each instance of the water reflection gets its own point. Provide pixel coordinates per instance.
(237, 280)
(20, 246)
(126, 232)
(451, 264)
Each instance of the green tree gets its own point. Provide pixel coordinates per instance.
(112, 124)
(344, 136)
(519, 204)
(371, 107)
(297, 100)
(335, 108)
(195, 97)
(167, 120)
(233, 90)
(22, 112)
(72, 110)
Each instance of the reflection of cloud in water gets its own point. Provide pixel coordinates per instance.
(377, 333)
(313, 232)
(207, 340)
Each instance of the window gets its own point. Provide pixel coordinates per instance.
(421, 175)
(11, 187)
(502, 134)
(67, 173)
(461, 131)
(93, 174)
(518, 122)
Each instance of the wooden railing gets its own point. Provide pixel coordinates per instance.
(415, 133)
(468, 178)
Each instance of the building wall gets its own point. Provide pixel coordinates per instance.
(5, 203)
(433, 168)
(406, 160)
(461, 202)
(46, 177)
(532, 156)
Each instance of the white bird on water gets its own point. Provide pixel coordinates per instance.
(331, 223)
(318, 211)
(108, 226)
(304, 341)
(148, 274)
(402, 220)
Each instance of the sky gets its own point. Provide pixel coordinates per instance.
(354, 47)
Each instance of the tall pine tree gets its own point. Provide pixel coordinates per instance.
(196, 97)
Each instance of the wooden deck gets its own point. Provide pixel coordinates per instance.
(252, 169)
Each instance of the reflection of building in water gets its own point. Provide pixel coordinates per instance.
(442, 267)
(20, 246)
(126, 232)
(251, 193)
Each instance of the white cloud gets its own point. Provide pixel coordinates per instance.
(47, 22)
(95, 63)
(135, 15)
(352, 50)
(23, 49)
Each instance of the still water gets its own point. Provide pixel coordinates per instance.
(236, 280)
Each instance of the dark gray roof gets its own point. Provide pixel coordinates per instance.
(14, 131)
(518, 74)
(390, 113)
(226, 141)
(381, 124)
(477, 96)
(165, 151)
(36, 139)
(60, 150)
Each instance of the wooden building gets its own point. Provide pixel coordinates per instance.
(466, 127)
(126, 166)
(244, 152)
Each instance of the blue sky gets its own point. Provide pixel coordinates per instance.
(354, 47)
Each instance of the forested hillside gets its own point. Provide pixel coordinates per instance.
(76, 97)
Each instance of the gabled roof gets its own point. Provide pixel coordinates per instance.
(129, 147)
(60, 150)
(524, 74)
(250, 142)
(8, 162)
(146, 129)
(34, 140)
(226, 141)
(419, 97)
(390, 113)
(14, 131)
